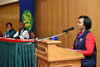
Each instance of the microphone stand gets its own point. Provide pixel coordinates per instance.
(37, 39)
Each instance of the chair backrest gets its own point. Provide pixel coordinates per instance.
(1, 34)
(32, 35)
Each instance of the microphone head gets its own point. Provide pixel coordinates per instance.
(54, 38)
(66, 30)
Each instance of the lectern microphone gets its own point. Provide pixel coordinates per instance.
(66, 30)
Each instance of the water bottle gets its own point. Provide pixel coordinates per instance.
(5, 36)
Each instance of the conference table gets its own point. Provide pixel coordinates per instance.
(17, 52)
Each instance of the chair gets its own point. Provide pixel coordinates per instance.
(1, 34)
(32, 35)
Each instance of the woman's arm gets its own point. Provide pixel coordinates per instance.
(89, 44)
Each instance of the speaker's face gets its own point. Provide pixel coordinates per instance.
(80, 24)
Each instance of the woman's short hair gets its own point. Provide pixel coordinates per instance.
(87, 21)
(9, 24)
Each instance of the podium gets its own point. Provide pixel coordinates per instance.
(50, 55)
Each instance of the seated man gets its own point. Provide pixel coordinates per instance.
(10, 31)
(22, 33)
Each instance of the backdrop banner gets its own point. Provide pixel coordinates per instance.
(27, 14)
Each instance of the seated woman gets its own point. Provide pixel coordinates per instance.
(1, 34)
(10, 31)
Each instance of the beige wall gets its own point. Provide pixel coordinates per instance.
(52, 16)
(9, 13)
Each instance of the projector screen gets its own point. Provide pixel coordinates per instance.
(3, 2)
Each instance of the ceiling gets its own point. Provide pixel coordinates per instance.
(3, 2)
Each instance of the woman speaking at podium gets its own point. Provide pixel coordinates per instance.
(85, 42)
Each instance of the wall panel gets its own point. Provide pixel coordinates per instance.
(51, 17)
(9, 13)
